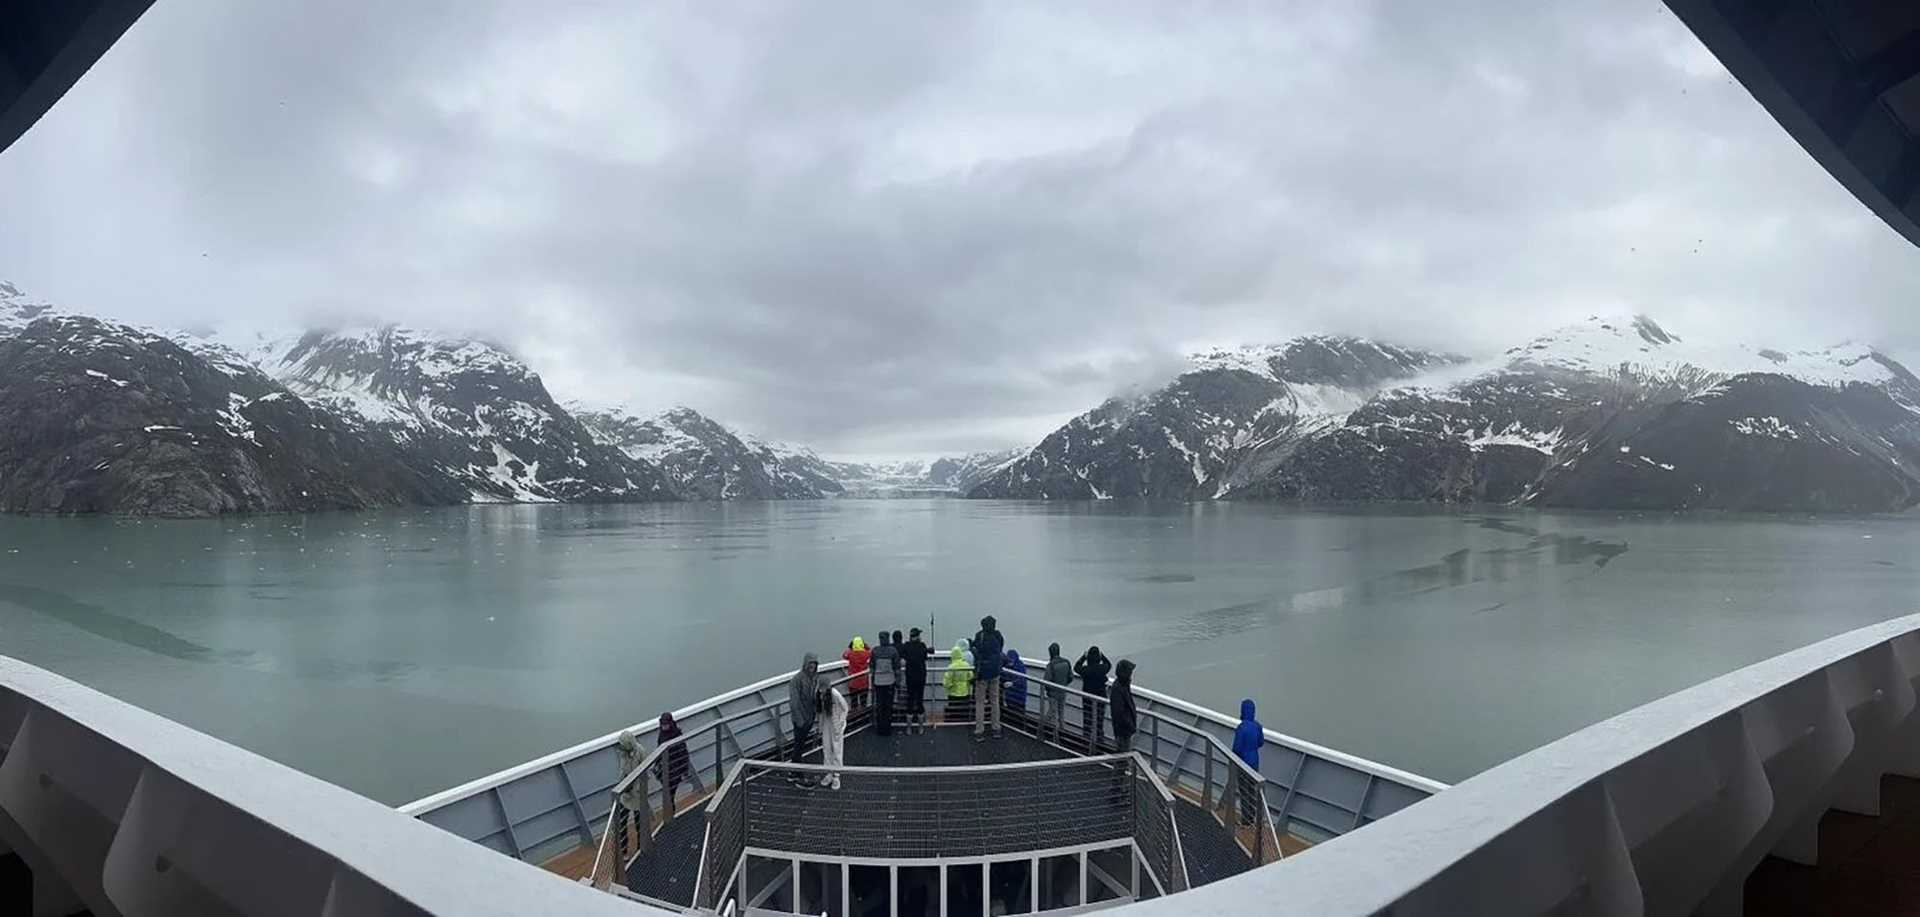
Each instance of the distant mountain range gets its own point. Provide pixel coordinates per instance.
(100, 416)
(1223, 424)
(1614, 414)
(109, 417)
(707, 461)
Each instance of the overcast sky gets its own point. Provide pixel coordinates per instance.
(916, 228)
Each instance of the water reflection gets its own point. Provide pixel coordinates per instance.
(1454, 569)
(102, 623)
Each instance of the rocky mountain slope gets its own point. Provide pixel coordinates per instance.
(1226, 421)
(100, 416)
(105, 417)
(460, 411)
(878, 480)
(1609, 413)
(704, 460)
(108, 417)
(1619, 413)
(965, 472)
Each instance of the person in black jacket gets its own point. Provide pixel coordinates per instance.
(989, 655)
(677, 766)
(914, 654)
(1092, 669)
(1126, 719)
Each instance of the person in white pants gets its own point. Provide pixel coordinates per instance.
(833, 733)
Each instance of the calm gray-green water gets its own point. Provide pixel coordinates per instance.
(399, 653)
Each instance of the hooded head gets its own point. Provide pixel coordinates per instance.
(1013, 661)
(1124, 671)
(883, 639)
(802, 687)
(859, 643)
(668, 728)
(897, 640)
(807, 680)
(1246, 710)
(627, 741)
(987, 623)
(1093, 652)
(1053, 650)
(961, 652)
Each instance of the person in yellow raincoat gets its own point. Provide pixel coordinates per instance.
(959, 684)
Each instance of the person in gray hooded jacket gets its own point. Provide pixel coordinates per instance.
(634, 797)
(1054, 702)
(885, 666)
(803, 691)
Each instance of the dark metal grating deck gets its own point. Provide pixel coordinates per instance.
(976, 816)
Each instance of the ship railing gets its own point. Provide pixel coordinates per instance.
(645, 799)
(110, 809)
(1664, 809)
(1193, 761)
(545, 809)
(1204, 770)
(980, 824)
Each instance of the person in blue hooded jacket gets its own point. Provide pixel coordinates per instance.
(1247, 739)
(1014, 675)
(1249, 736)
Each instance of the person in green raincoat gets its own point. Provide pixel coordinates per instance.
(959, 684)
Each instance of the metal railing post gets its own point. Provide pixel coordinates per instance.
(1230, 794)
(1133, 797)
(1155, 721)
(1273, 829)
(643, 837)
(622, 823)
(1259, 836)
(779, 734)
(602, 878)
(1133, 810)
(1206, 784)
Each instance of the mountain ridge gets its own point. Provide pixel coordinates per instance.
(461, 409)
(1610, 412)
(1606, 413)
(102, 416)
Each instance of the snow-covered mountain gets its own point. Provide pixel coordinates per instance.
(703, 459)
(943, 477)
(1613, 413)
(1619, 413)
(1227, 420)
(461, 410)
(962, 473)
(100, 416)
(883, 480)
(108, 417)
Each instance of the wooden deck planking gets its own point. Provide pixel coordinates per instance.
(577, 863)
(1868, 864)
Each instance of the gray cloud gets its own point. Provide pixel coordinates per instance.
(901, 228)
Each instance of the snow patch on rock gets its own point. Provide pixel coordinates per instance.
(1769, 427)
